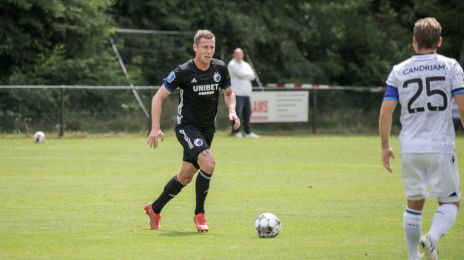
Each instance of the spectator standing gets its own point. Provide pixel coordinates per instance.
(241, 75)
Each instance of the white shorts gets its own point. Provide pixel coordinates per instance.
(431, 175)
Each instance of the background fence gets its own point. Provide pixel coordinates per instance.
(332, 109)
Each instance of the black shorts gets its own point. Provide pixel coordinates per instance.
(194, 142)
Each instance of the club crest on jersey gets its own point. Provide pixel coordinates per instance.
(198, 142)
(171, 77)
(217, 77)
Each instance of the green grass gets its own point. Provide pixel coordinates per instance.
(83, 198)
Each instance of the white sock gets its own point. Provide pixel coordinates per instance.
(412, 225)
(443, 219)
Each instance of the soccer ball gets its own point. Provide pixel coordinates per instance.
(39, 137)
(267, 225)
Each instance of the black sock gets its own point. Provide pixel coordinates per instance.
(202, 187)
(171, 189)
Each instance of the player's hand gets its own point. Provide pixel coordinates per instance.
(154, 137)
(234, 118)
(386, 155)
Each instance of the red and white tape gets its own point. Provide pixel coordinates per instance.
(322, 87)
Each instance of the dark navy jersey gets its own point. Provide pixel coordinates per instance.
(199, 92)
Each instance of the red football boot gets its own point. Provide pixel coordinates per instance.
(200, 222)
(154, 218)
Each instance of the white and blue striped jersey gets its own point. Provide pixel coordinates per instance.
(424, 86)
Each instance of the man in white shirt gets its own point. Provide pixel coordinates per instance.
(424, 85)
(241, 75)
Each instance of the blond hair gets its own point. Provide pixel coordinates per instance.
(207, 34)
(427, 32)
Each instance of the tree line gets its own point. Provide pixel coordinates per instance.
(56, 42)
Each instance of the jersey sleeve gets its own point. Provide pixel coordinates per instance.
(173, 80)
(392, 80)
(225, 83)
(457, 79)
(391, 92)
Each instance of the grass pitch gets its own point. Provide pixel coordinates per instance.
(83, 198)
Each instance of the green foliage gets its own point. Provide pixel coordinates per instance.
(52, 32)
(353, 42)
(341, 42)
(54, 43)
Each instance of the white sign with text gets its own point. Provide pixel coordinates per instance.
(279, 106)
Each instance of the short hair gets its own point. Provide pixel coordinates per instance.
(207, 34)
(427, 32)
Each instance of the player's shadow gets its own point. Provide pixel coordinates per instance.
(176, 233)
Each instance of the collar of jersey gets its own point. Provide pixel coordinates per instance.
(429, 56)
(195, 65)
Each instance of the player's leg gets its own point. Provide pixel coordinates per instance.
(174, 186)
(176, 183)
(415, 188)
(207, 165)
(412, 226)
(186, 138)
(446, 187)
(171, 189)
(443, 219)
(196, 151)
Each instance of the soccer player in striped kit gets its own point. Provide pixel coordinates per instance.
(424, 86)
(199, 81)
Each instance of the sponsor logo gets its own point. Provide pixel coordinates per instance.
(171, 77)
(207, 89)
(198, 142)
(194, 80)
(424, 68)
(217, 77)
(260, 106)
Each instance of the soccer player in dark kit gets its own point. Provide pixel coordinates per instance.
(199, 81)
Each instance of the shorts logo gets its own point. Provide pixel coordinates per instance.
(198, 142)
(217, 77)
(171, 77)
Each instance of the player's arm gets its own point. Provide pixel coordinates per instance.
(156, 104)
(457, 80)
(229, 99)
(460, 102)
(385, 124)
